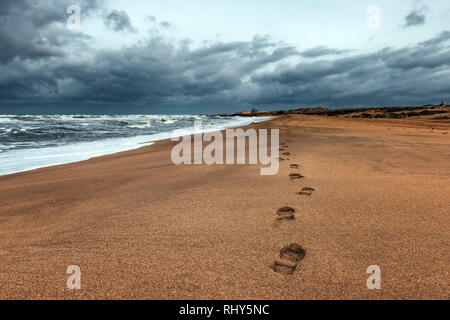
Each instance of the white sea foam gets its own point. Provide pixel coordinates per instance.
(140, 125)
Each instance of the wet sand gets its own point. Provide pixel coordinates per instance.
(362, 192)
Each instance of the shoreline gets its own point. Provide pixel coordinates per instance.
(436, 116)
(125, 144)
(140, 227)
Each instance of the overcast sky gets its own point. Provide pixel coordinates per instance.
(197, 56)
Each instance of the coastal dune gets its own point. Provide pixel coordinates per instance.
(350, 193)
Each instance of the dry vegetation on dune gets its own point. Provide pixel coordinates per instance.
(435, 113)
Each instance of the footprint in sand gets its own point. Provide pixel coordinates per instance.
(283, 267)
(293, 253)
(295, 176)
(294, 166)
(290, 256)
(286, 213)
(286, 154)
(306, 191)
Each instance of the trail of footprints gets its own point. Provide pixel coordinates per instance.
(290, 255)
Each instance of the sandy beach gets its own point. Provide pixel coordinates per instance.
(140, 227)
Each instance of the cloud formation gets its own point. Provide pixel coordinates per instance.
(48, 65)
(119, 21)
(415, 18)
(321, 51)
(35, 30)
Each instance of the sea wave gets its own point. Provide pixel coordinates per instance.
(33, 141)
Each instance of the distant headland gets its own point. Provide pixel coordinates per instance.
(427, 112)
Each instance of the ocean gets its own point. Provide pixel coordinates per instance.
(34, 141)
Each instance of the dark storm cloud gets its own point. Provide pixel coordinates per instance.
(36, 29)
(156, 71)
(412, 75)
(50, 65)
(119, 21)
(436, 41)
(415, 18)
